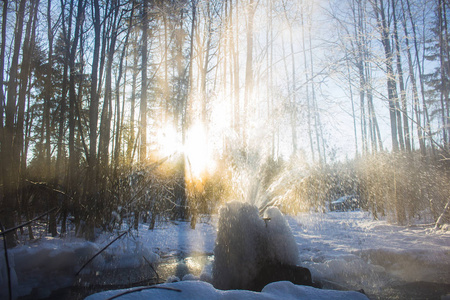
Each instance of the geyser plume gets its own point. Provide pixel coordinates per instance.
(247, 244)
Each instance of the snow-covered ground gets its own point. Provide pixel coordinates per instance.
(204, 291)
(352, 250)
(343, 250)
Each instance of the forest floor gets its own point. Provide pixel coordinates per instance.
(344, 251)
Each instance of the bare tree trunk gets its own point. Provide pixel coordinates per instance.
(353, 110)
(204, 70)
(443, 61)
(399, 205)
(234, 50)
(404, 108)
(384, 31)
(10, 170)
(143, 103)
(105, 121)
(3, 200)
(71, 170)
(49, 91)
(292, 90)
(412, 76)
(251, 8)
(446, 52)
(270, 98)
(119, 120)
(93, 107)
(46, 116)
(422, 88)
(25, 71)
(309, 105)
(2, 95)
(60, 159)
(361, 48)
(373, 116)
(131, 137)
(317, 122)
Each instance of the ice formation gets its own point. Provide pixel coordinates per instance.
(282, 246)
(246, 243)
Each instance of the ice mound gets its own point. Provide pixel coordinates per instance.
(246, 243)
(282, 246)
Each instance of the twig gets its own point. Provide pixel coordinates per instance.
(45, 185)
(142, 289)
(151, 266)
(26, 223)
(103, 249)
(8, 270)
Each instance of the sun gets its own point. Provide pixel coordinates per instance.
(196, 148)
(197, 151)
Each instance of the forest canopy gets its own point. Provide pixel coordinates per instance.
(151, 110)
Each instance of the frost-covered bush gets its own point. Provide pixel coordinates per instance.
(246, 243)
(403, 188)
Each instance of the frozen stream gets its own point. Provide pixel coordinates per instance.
(172, 264)
(345, 250)
(175, 266)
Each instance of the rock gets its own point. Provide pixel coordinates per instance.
(274, 271)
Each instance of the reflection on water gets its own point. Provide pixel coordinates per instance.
(173, 264)
(182, 265)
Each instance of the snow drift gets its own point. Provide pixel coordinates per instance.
(49, 264)
(202, 290)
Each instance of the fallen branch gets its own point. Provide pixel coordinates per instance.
(151, 266)
(46, 186)
(444, 218)
(139, 289)
(98, 253)
(26, 223)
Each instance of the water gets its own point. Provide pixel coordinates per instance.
(173, 264)
(419, 290)
(412, 291)
(180, 265)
